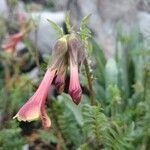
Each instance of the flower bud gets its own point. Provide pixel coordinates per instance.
(76, 51)
(75, 90)
(75, 48)
(60, 79)
(59, 52)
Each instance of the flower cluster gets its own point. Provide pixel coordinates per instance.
(67, 50)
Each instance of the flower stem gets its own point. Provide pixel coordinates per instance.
(89, 79)
(146, 76)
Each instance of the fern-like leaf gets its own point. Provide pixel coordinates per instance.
(57, 28)
(68, 24)
(85, 33)
(95, 123)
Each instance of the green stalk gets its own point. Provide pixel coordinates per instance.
(89, 79)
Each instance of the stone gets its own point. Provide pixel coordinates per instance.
(44, 33)
(107, 15)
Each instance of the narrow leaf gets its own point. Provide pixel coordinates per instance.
(67, 21)
(85, 21)
(85, 33)
(57, 28)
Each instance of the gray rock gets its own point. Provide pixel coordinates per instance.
(144, 24)
(20, 46)
(3, 7)
(25, 147)
(33, 75)
(43, 34)
(107, 15)
(46, 35)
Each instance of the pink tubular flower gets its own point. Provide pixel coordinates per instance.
(35, 106)
(75, 90)
(13, 40)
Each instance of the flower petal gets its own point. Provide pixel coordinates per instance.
(75, 48)
(60, 79)
(46, 122)
(33, 108)
(75, 90)
(13, 40)
(59, 52)
(29, 112)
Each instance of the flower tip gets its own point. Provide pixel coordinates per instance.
(46, 122)
(47, 125)
(18, 118)
(59, 87)
(27, 114)
(76, 101)
(76, 96)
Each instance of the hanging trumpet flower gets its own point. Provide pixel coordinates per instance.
(10, 45)
(25, 27)
(67, 54)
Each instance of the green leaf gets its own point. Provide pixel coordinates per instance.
(85, 33)
(85, 21)
(67, 21)
(101, 61)
(57, 28)
(74, 109)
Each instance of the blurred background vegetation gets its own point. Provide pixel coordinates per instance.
(120, 117)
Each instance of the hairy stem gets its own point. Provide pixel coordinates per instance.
(89, 79)
(146, 71)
